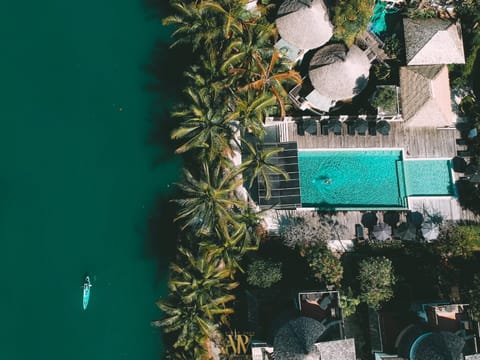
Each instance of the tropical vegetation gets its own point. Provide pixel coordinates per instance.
(376, 279)
(264, 273)
(350, 18)
(235, 80)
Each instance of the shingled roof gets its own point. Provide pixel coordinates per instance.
(433, 41)
(425, 96)
(304, 23)
(338, 73)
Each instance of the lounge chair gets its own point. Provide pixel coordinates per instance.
(359, 232)
(461, 142)
(464, 153)
(350, 129)
(300, 129)
(372, 128)
(324, 129)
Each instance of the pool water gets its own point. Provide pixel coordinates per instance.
(429, 177)
(368, 179)
(351, 179)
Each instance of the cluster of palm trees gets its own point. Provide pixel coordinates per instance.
(237, 79)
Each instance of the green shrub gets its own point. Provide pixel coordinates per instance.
(385, 98)
(376, 281)
(351, 18)
(459, 241)
(264, 273)
(325, 266)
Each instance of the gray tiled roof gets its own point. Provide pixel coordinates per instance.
(337, 350)
(433, 41)
(425, 96)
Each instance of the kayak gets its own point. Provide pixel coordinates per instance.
(86, 292)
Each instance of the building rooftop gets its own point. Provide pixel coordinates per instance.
(304, 23)
(425, 96)
(433, 41)
(338, 73)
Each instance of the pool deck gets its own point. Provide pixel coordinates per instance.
(417, 142)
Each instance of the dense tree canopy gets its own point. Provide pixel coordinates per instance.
(459, 241)
(350, 18)
(376, 281)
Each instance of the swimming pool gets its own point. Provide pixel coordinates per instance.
(429, 178)
(368, 179)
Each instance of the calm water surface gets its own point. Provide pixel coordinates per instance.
(79, 180)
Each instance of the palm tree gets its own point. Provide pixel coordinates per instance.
(194, 25)
(208, 200)
(257, 38)
(258, 164)
(205, 125)
(230, 246)
(249, 110)
(269, 76)
(199, 294)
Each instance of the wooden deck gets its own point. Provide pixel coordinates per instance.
(417, 142)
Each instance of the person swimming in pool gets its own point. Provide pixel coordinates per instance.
(327, 181)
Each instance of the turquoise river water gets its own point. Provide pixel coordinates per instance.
(80, 181)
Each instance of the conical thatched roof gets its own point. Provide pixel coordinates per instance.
(304, 23)
(295, 340)
(338, 73)
(439, 346)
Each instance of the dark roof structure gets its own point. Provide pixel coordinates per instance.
(285, 194)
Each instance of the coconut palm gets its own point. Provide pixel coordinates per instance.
(194, 25)
(205, 125)
(269, 75)
(230, 245)
(207, 200)
(258, 164)
(257, 38)
(249, 110)
(199, 293)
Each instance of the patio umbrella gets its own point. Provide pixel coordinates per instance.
(473, 133)
(415, 218)
(391, 218)
(459, 164)
(382, 232)
(295, 340)
(383, 127)
(310, 126)
(369, 219)
(361, 125)
(406, 232)
(430, 231)
(334, 126)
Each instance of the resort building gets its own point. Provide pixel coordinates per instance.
(316, 333)
(427, 331)
(303, 25)
(433, 41)
(335, 74)
(425, 96)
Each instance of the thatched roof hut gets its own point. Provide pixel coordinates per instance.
(425, 96)
(337, 73)
(304, 23)
(433, 41)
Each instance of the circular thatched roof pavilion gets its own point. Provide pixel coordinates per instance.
(304, 23)
(338, 73)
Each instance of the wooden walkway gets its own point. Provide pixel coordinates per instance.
(417, 142)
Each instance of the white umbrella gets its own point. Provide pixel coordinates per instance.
(382, 232)
(430, 231)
